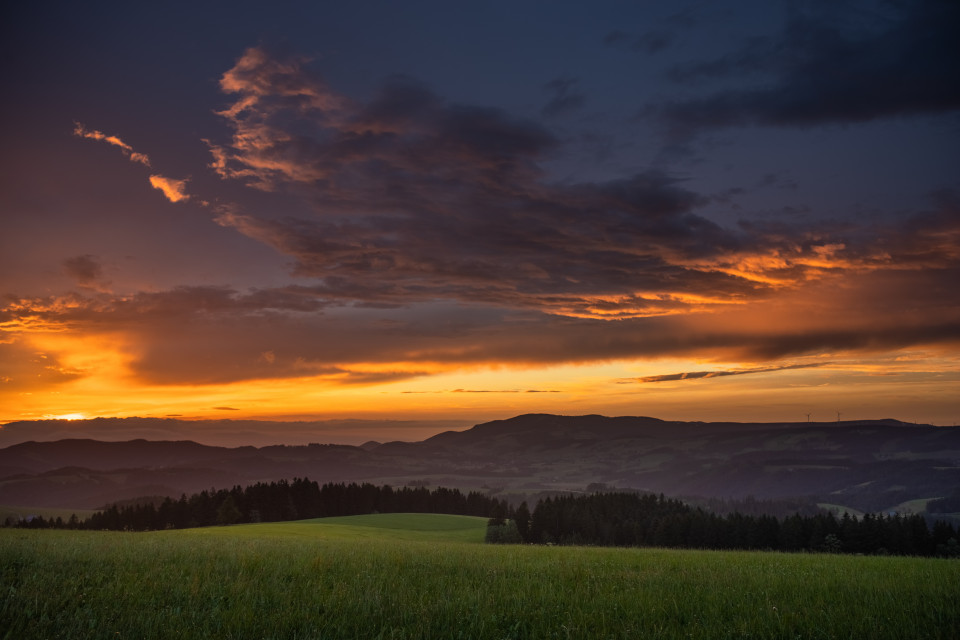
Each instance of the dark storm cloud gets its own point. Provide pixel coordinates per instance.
(525, 264)
(565, 97)
(291, 128)
(210, 334)
(418, 199)
(431, 240)
(872, 339)
(205, 335)
(833, 65)
(556, 341)
(607, 265)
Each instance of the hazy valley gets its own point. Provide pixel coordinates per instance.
(864, 465)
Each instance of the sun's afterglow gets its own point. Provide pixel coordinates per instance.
(66, 416)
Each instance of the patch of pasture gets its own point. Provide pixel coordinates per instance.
(312, 580)
(411, 527)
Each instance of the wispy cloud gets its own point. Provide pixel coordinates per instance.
(174, 190)
(696, 375)
(92, 134)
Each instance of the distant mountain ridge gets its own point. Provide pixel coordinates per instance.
(97, 454)
(870, 464)
(530, 427)
(224, 432)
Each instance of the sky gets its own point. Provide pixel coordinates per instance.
(468, 211)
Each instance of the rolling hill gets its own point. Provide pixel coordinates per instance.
(870, 465)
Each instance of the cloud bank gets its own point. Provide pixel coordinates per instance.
(430, 238)
(418, 199)
(832, 63)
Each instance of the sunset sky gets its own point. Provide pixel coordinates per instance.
(467, 211)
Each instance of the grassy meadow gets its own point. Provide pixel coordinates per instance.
(430, 576)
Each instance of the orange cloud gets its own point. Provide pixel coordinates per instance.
(190, 349)
(174, 190)
(83, 132)
(257, 76)
(415, 199)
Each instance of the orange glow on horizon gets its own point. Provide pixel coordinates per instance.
(78, 375)
(66, 416)
(862, 387)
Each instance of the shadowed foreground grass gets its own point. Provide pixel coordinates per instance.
(407, 576)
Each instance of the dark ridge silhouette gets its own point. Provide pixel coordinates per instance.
(869, 465)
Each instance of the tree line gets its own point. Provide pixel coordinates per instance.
(278, 501)
(623, 519)
(636, 520)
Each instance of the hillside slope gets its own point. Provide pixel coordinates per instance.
(865, 464)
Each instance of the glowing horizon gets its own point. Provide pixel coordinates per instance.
(690, 390)
(696, 226)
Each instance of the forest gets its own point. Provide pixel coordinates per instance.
(632, 519)
(274, 502)
(609, 518)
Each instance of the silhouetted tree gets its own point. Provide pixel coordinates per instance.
(522, 519)
(227, 512)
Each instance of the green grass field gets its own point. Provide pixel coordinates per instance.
(398, 527)
(428, 576)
